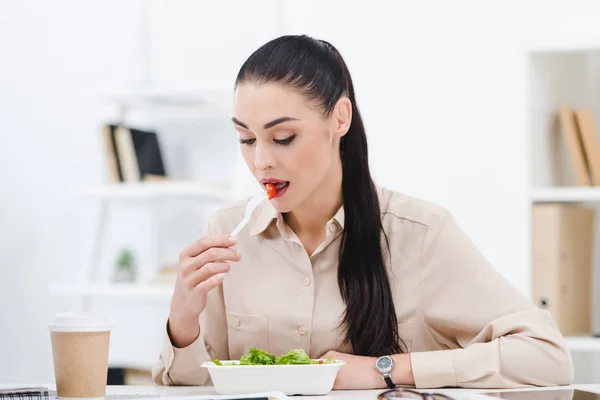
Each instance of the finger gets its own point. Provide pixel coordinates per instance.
(209, 284)
(214, 254)
(204, 243)
(211, 255)
(206, 272)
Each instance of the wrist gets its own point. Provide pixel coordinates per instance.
(376, 380)
(402, 373)
(182, 332)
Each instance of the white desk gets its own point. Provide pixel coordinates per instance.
(169, 391)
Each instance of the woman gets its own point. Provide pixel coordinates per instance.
(337, 266)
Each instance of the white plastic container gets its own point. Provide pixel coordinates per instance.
(303, 379)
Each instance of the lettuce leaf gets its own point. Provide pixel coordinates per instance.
(257, 357)
(330, 360)
(293, 357)
(296, 356)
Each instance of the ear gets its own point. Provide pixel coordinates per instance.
(341, 117)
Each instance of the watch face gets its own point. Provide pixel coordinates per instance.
(384, 363)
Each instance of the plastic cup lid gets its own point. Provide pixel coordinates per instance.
(80, 322)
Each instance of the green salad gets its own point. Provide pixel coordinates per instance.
(262, 357)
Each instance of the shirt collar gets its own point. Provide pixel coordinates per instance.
(267, 214)
(340, 216)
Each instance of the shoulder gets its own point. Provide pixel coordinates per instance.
(411, 226)
(401, 208)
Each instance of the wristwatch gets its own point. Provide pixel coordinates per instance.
(385, 365)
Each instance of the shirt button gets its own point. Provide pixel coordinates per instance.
(332, 228)
(306, 281)
(236, 322)
(302, 330)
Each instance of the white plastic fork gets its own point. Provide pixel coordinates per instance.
(252, 204)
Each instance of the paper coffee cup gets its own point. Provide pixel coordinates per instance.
(80, 343)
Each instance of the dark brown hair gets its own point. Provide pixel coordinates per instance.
(316, 69)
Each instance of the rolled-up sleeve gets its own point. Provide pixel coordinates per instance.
(495, 336)
(182, 366)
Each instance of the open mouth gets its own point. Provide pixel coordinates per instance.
(280, 187)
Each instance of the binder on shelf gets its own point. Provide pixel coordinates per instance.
(572, 139)
(591, 145)
(562, 257)
(139, 154)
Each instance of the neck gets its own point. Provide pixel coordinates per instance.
(309, 218)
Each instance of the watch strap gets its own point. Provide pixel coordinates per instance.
(388, 380)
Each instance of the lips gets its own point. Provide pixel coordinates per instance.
(278, 183)
(264, 181)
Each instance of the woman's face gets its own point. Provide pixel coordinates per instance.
(286, 140)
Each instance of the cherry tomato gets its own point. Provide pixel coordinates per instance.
(271, 190)
(320, 361)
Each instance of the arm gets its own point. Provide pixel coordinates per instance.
(359, 372)
(500, 339)
(182, 366)
(187, 345)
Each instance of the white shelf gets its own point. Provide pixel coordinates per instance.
(148, 190)
(114, 290)
(583, 343)
(161, 96)
(566, 195)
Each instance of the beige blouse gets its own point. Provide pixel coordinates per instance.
(463, 323)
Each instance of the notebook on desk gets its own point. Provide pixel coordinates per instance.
(253, 396)
(23, 392)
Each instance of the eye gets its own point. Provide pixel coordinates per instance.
(247, 141)
(286, 141)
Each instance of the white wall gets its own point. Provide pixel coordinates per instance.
(52, 54)
(442, 87)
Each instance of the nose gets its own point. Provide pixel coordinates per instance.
(263, 157)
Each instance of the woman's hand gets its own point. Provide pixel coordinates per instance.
(359, 372)
(201, 269)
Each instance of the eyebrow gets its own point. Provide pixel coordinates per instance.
(268, 124)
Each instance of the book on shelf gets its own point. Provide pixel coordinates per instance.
(111, 159)
(573, 141)
(132, 154)
(23, 392)
(587, 129)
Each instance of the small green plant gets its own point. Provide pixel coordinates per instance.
(125, 271)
